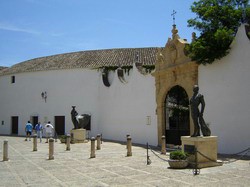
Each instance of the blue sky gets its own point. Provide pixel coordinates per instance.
(36, 28)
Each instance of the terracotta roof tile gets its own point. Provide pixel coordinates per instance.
(2, 68)
(86, 59)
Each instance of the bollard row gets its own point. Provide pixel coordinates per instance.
(51, 146)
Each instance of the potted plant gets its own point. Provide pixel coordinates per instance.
(178, 159)
(63, 138)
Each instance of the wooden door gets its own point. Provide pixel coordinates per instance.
(14, 125)
(60, 125)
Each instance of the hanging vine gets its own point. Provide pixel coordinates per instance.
(127, 69)
(148, 68)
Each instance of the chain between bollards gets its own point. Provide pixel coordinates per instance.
(5, 150)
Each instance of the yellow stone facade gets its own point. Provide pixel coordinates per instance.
(173, 68)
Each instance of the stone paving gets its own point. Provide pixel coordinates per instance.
(111, 167)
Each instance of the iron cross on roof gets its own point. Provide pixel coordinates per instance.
(173, 14)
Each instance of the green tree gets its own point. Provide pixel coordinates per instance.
(217, 21)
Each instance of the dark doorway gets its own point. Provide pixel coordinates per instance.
(14, 125)
(176, 115)
(34, 121)
(60, 125)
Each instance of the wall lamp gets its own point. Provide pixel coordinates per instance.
(44, 95)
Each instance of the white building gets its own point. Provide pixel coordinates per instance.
(226, 88)
(122, 103)
(127, 106)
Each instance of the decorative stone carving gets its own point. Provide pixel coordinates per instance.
(173, 53)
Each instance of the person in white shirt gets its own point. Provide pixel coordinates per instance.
(49, 129)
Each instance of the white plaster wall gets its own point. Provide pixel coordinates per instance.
(125, 106)
(116, 111)
(226, 88)
(64, 88)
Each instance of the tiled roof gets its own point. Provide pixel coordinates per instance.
(87, 59)
(2, 67)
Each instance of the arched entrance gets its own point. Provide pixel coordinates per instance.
(176, 115)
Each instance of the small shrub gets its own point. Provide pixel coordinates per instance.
(178, 155)
(62, 136)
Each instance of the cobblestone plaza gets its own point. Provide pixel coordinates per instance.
(111, 167)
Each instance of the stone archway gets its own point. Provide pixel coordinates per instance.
(172, 68)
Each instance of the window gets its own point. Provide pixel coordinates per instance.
(13, 79)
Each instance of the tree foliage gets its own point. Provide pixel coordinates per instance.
(217, 21)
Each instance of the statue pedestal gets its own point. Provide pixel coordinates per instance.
(78, 135)
(205, 146)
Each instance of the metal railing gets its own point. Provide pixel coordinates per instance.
(196, 170)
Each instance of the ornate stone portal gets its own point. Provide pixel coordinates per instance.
(173, 68)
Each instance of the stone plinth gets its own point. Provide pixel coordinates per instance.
(78, 135)
(206, 146)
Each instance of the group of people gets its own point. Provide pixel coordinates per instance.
(49, 131)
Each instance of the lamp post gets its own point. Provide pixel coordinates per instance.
(44, 95)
